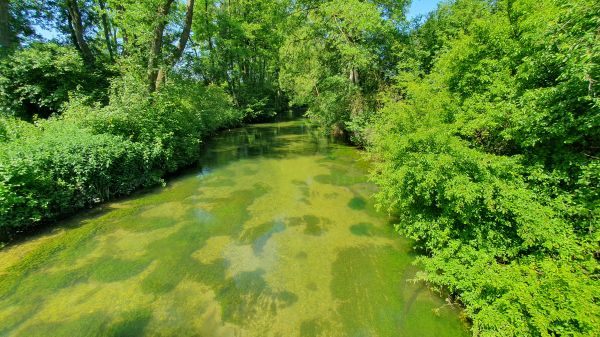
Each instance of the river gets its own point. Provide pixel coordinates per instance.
(275, 235)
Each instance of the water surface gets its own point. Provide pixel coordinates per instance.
(274, 236)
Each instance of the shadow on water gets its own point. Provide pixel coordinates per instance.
(273, 141)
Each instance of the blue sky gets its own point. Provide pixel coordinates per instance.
(418, 7)
(46, 33)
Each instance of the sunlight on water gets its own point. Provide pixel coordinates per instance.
(275, 235)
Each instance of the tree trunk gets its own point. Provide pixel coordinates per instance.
(354, 76)
(5, 34)
(106, 29)
(187, 28)
(125, 44)
(71, 31)
(185, 36)
(210, 43)
(156, 44)
(77, 26)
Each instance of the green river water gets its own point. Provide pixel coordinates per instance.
(275, 235)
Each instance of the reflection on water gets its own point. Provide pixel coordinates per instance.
(274, 236)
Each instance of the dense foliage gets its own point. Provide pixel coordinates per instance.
(92, 154)
(336, 54)
(38, 80)
(488, 154)
(81, 118)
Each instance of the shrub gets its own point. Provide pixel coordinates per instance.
(92, 154)
(37, 80)
(65, 168)
(489, 164)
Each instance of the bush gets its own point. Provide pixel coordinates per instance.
(12, 129)
(37, 80)
(92, 154)
(65, 168)
(489, 164)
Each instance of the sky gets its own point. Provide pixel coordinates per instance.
(418, 7)
(46, 33)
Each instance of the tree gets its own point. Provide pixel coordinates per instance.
(76, 24)
(156, 44)
(5, 32)
(335, 58)
(183, 40)
(237, 44)
(106, 28)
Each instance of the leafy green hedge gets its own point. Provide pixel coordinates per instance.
(487, 153)
(64, 169)
(37, 80)
(92, 154)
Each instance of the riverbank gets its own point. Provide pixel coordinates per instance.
(91, 154)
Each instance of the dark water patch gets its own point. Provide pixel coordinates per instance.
(357, 203)
(365, 229)
(247, 295)
(331, 195)
(232, 211)
(368, 229)
(313, 225)
(249, 171)
(24, 312)
(212, 274)
(262, 231)
(305, 201)
(341, 174)
(315, 229)
(308, 220)
(161, 280)
(299, 183)
(167, 276)
(360, 192)
(173, 259)
(294, 221)
(312, 328)
(338, 179)
(260, 235)
(304, 189)
(132, 323)
(286, 298)
(40, 285)
(243, 296)
(111, 269)
(311, 220)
